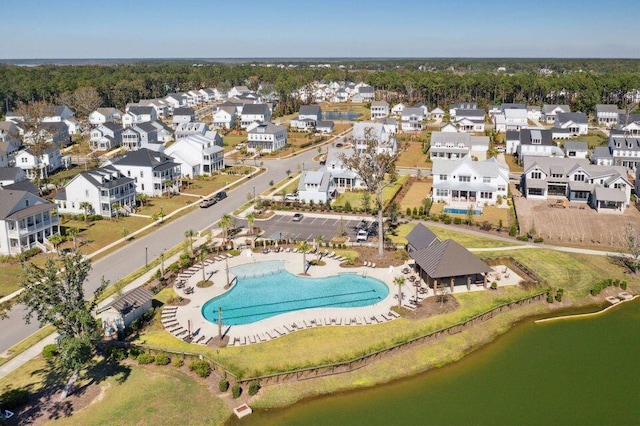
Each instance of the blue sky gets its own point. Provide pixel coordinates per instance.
(283, 28)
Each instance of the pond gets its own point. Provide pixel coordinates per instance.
(340, 115)
(578, 371)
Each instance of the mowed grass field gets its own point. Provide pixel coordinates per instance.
(416, 194)
(413, 156)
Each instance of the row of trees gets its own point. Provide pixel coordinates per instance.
(82, 87)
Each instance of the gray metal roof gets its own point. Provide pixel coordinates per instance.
(129, 301)
(447, 259)
(607, 108)
(420, 237)
(548, 108)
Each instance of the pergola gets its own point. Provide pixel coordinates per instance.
(444, 262)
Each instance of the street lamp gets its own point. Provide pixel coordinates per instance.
(254, 193)
(146, 256)
(162, 262)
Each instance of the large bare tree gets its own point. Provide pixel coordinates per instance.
(632, 243)
(36, 134)
(374, 161)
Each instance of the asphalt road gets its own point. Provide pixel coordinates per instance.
(131, 256)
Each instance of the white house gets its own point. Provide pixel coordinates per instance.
(43, 165)
(187, 129)
(625, 151)
(511, 119)
(142, 135)
(224, 117)
(379, 109)
(605, 188)
(576, 123)
(607, 115)
(470, 120)
(324, 126)
(549, 112)
(629, 124)
(59, 114)
(154, 173)
(183, 115)
(474, 182)
(454, 146)
(176, 100)
(125, 309)
(538, 143)
(436, 114)
(366, 130)
(11, 175)
(534, 112)
(26, 221)
(267, 137)
(364, 94)
(601, 156)
(104, 115)
(397, 109)
(343, 178)
(105, 188)
(197, 155)
(576, 149)
(162, 107)
(317, 186)
(411, 119)
(138, 114)
(254, 113)
(453, 109)
(307, 118)
(390, 125)
(105, 136)
(237, 91)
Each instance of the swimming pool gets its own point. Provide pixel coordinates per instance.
(452, 210)
(256, 298)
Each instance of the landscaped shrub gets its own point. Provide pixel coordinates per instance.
(549, 298)
(457, 220)
(601, 285)
(135, 352)
(201, 367)
(177, 362)
(415, 211)
(446, 220)
(254, 387)
(513, 230)
(494, 285)
(223, 385)
(522, 238)
(408, 211)
(49, 351)
(162, 359)
(28, 254)
(145, 359)
(14, 398)
(538, 240)
(236, 391)
(116, 354)
(347, 207)
(559, 294)
(623, 285)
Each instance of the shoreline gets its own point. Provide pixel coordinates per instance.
(410, 362)
(587, 315)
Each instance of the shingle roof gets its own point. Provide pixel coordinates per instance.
(129, 301)
(183, 111)
(143, 158)
(576, 146)
(255, 109)
(576, 117)
(310, 110)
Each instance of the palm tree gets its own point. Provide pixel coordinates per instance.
(251, 219)
(189, 235)
(399, 281)
(73, 232)
(318, 240)
(201, 257)
(225, 222)
(304, 248)
(166, 185)
(116, 208)
(141, 199)
(56, 240)
(85, 206)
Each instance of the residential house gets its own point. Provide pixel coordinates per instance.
(266, 137)
(625, 151)
(105, 115)
(208, 95)
(534, 113)
(454, 146)
(390, 125)
(123, 310)
(187, 129)
(106, 189)
(307, 118)
(511, 119)
(340, 96)
(194, 98)
(363, 131)
(607, 115)
(176, 100)
(471, 182)
(449, 128)
(11, 175)
(576, 123)
(576, 149)
(549, 112)
(237, 91)
(165, 134)
(538, 143)
(317, 186)
(324, 126)
(183, 115)
(224, 117)
(254, 113)
(59, 114)
(105, 136)
(601, 156)
(41, 165)
(411, 119)
(142, 135)
(154, 173)
(397, 109)
(10, 132)
(605, 188)
(629, 124)
(424, 107)
(453, 109)
(364, 94)
(162, 107)
(444, 263)
(138, 114)
(52, 132)
(379, 109)
(26, 221)
(7, 153)
(436, 114)
(197, 155)
(343, 177)
(470, 120)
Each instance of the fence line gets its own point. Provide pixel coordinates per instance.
(359, 362)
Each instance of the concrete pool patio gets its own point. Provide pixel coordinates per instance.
(187, 320)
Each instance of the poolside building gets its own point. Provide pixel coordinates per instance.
(445, 262)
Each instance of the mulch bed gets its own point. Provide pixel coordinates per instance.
(432, 306)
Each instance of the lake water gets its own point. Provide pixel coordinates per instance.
(340, 115)
(578, 371)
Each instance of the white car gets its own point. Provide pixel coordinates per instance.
(291, 197)
(362, 235)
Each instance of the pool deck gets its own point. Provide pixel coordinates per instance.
(183, 320)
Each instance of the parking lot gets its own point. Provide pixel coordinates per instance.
(310, 227)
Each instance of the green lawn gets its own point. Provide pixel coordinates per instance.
(355, 198)
(207, 184)
(462, 238)
(167, 205)
(95, 235)
(152, 396)
(594, 138)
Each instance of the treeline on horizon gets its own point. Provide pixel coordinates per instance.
(581, 83)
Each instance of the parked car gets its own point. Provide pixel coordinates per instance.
(207, 202)
(291, 197)
(221, 196)
(362, 236)
(297, 217)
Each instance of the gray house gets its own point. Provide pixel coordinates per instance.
(122, 311)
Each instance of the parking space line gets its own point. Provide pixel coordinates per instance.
(313, 220)
(281, 217)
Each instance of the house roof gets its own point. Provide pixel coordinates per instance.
(255, 109)
(184, 111)
(141, 110)
(366, 89)
(409, 111)
(10, 201)
(446, 259)
(310, 110)
(322, 124)
(576, 146)
(105, 177)
(548, 108)
(24, 185)
(129, 301)
(144, 158)
(601, 152)
(471, 112)
(607, 108)
(380, 103)
(576, 117)
(506, 106)
(10, 173)
(268, 128)
(487, 168)
(610, 194)
(527, 135)
(420, 237)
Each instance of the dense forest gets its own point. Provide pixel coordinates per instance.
(580, 83)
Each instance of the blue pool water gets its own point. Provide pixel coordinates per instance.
(451, 210)
(258, 297)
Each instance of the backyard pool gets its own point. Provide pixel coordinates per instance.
(272, 291)
(453, 210)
